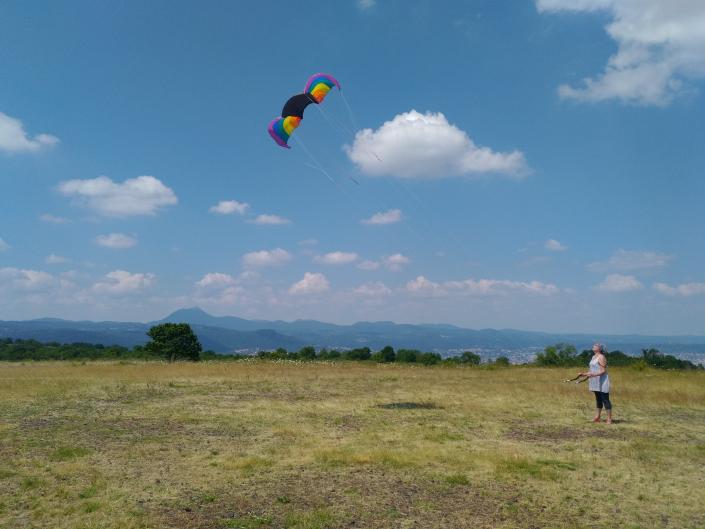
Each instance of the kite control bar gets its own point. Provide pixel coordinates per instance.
(577, 380)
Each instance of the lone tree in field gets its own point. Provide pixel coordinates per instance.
(173, 341)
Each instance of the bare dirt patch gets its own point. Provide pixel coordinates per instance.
(410, 406)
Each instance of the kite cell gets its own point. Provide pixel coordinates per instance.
(316, 90)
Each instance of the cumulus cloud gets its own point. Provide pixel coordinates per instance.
(13, 137)
(53, 219)
(619, 283)
(144, 195)
(554, 246)
(116, 241)
(274, 257)
(684, 290)
(660, 44)
(122, 282)
(372, 289)
(479, 287)
(500, 286)
(215, 279)
(3, 245)
(336, 258)
(415, 145)
(56, 259)
(395, 262)
(384, 217)
(219, 288)
(228, 207)
(312, 283)
(271, 220)
(368, 265)
(625, 260)
(22, 279)
(425, 287)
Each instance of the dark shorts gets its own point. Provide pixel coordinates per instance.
(602, 399)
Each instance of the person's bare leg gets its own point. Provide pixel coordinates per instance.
(597, 416)
(609, 416)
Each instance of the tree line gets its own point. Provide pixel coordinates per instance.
(565, 355)
(177, 341)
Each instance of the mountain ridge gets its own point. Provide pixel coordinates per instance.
(225, 334)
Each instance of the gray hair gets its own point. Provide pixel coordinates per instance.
(603, 349)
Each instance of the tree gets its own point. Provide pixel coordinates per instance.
(561, 354)
(362, 353)
(173, 341)
(407, 355)
(307, 353)
(387, 354)
(468, 357)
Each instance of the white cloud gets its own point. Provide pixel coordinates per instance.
(312, 283)
(372, 290)
(144, 195)
(395, 262)
(116, 241)
(53, 219)
(619, 283)
(24, 279)
(660, 44)
(3, 245)
(554, 246)
(425, 287)
(273, 257)
(336, 258)
(122, 282)
(13, 137)
(415, 145)
(479, 287)
(56, 259)
(385, 217)
(368, 265)
(218, 288)
(215, 279)
(685, 289)
(228, 207)
(366, 5)
(272, 220)
(624, 260)
(501, 286)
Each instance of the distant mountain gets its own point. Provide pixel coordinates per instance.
(229, 333)
(212, 338)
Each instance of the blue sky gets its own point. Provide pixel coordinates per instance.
(531, 164)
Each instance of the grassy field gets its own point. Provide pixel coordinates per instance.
(321, 445)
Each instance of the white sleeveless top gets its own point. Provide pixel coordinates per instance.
(601, 383)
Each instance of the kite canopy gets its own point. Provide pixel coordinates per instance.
(317, 88)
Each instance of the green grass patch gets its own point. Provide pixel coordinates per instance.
(67, 453)
(88, 492)
(457, 479)
(317, 519)
(91, 506)
(546, 469)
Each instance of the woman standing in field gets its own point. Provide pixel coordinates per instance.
(599, 381)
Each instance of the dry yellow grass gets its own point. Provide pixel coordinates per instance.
(321, 445)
